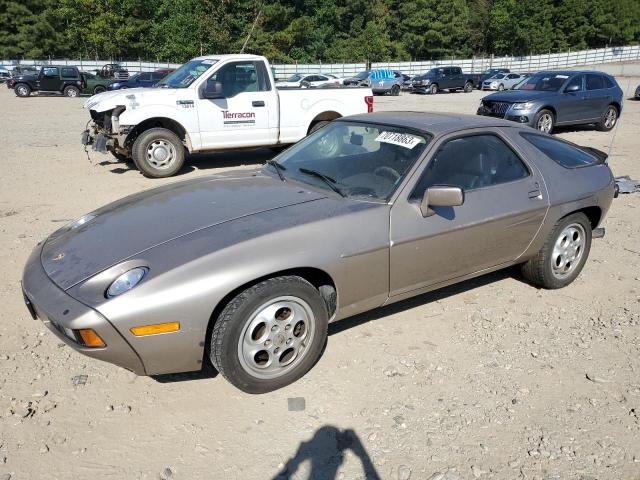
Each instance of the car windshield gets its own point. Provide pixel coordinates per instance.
(186, 74)
(294, 78)
(133, 78)
(362, 75)
(544, 82)
(498, 76)
(356, 159)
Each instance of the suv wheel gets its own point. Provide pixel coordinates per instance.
(22, 90)
(158, 153)
(71, 91)
(99, 89)
(544, 121)
(609, 119)
(395, 90)
(434, 88)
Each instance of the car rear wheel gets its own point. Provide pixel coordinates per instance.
(433, 89)
(563, 255)
(158, 153)
(609, 119)
(395, 90)
(99, 89)
(468, 87)
(71, 91)
(544, 121)
(22, 90)
(269, 335)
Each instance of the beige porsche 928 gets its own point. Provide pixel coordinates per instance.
(246, 269)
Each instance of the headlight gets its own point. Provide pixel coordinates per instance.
(523, 106)
(126, 282)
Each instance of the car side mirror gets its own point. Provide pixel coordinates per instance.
(212, 90)
(440, 196)
(572, 88)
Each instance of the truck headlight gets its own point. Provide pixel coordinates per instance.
(523, 106)
(126, 281)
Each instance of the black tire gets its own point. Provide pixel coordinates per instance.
(468, 87)
(99, 89)
(395, 90)
(501, 87)
(607, 123)
(231, 327)
(71, 91)
(433, 89)
(22, 90)
(317, 126)
(150, 166)
(541, 117)
(540, 271)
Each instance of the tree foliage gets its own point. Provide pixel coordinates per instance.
(311, 30)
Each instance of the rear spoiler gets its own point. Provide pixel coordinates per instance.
(599, 154)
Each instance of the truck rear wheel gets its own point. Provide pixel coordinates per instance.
(71, 91)
(22, 90)
(158, 153)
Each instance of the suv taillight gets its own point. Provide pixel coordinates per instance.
(369, 101)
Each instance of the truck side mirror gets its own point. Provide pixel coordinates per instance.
(212, 90)
(440, 196)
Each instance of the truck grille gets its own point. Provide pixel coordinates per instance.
(496, 109)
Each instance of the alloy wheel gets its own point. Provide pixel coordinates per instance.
(568, 250)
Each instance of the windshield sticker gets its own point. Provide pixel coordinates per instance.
(400, 139)
(562, 76)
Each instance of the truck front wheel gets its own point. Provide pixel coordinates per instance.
(22, 90)
(158, 153)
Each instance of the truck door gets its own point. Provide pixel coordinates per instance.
(247, 115)
(50, 79)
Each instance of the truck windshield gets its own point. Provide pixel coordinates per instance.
(186, 74)
(355, 159)
(544, 82)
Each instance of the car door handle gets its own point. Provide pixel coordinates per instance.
(258, 103)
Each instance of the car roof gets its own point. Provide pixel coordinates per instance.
(233, 56)
(572, 72)
(430, 122)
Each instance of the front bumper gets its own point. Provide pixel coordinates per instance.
(520, 116)
(63, 314)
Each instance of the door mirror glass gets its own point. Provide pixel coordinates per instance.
(212, 90)
(440, 196)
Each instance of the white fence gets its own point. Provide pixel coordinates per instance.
(469, 65)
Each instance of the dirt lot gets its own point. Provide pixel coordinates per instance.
(488, 379)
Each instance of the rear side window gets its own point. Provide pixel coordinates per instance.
(560, 152)
(608, 83)
(595, 82)
(456, 71)
(69, 73)
(50, 71)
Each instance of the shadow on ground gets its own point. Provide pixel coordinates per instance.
(325, 453)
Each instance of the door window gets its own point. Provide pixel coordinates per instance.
(50, 71)
(575, 81)
(594, 82)
(145, 76)
(471, 162)
(456, 71)
(237, 77)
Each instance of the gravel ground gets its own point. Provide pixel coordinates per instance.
(491, 378)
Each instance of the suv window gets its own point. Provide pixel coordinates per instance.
(456, 71)
(577, 80)
(237, 77)
(158, 75)
(595, 82)
(145, 76)
(471, 162)
(69, 73)
(608, 83)
(50, 71)
(559, 151)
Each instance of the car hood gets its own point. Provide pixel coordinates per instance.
(517, 96)
(111, 99)
(131, 226)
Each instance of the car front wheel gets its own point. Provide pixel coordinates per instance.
(158, 153)
(563, 255)
(22, 90)
(434, 89)
(544, 121)
(269, 335)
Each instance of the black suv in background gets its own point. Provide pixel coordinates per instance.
(64, 80)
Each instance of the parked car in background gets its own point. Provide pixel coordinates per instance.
(95, 84)
(442, 78)
(246, 268)
(299, 80)
(4, 73)
(142, 79)
(212, 103)
(502, 81)
(550, 99)
(335, 79)
(479, 78)
(114, 71)
(637, 94)
(381, 81)
(63, 80)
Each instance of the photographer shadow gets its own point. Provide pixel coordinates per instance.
(326, 452)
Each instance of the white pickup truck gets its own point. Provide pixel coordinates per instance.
(216, 102)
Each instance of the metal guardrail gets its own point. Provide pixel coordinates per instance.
(530, 63)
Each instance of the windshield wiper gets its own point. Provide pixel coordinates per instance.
(279, 167)
(326, 179)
